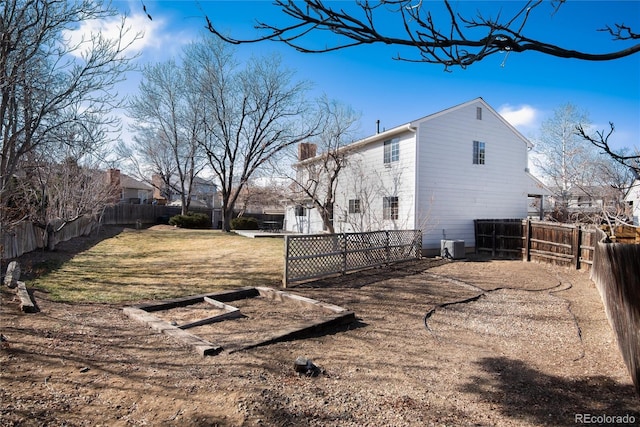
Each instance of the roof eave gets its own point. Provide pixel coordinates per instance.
(382, 136)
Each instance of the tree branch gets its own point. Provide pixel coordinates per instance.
(601, 141)
(468, 40)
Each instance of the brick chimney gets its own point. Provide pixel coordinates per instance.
(158, 186)
(306, 151)
(114, 177)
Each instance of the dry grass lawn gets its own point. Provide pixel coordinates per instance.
(534, 350)
(163, 262)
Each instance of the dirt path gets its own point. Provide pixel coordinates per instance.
(538, 351)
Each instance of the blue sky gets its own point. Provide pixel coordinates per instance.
(525, 88)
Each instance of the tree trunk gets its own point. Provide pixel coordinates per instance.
(327, 214)
(184, 210)
(227, 216)
(51, 238)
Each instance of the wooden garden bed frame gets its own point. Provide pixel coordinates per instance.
(337, 316)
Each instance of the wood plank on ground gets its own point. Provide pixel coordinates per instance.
(299, 330)
(202, 347)
(26, 304)
(339, 316)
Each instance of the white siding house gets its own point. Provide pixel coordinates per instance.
(633, 199)
(437, 174)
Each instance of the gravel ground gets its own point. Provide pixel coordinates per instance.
(531, 346)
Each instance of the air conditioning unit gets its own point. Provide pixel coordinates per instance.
(452, 249)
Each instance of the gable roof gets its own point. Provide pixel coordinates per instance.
(412, 126)
(131, 183)
(466, 104)
(537, 187)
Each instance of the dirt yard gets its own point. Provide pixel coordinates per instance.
(534, 349)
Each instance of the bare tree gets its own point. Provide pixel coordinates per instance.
(434, 31)
(167, 125)
(316, 178)
(617, 179)
(54, 92)
(616, 171)
(150, 156)
(366, 188)
(258, 196)
(601, 140)
(575, 169)
(379, 198)
(61, 182)
(250, 115)
(562, 156)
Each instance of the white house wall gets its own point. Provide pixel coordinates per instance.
(309, 223)
(452, 191)
(633, 197)
(439, 189)
(367, 178)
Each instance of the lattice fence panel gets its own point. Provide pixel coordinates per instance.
(404, 245)
(366, 249)
(314, 256)
(322, 255)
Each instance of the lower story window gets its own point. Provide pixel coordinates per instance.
(390, 208)
(300, 210)
(354, 206)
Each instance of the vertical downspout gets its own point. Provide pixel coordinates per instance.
(416, 168)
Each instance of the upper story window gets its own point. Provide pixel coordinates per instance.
(391, 150)
(478, 153)
(354, 206)
(478, 113)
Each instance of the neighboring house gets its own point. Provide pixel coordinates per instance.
(131, 190)
(437, 173)
(262, 198)
(632, 198)
(203, 195)
(582, 203)
(539, 195)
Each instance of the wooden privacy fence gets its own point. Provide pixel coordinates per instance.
(616, 273)
(322, 255)
(26, 237)
(499, 237)
(147, 214)
(569, 245)
(21, 238)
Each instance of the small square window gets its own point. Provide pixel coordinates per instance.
(301, 210)
(478, 153)
(390, 208)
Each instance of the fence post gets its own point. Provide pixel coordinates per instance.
(475, 234)
(285, 277)
(344, 253)
(576, 247)
(527, 242)
(387, 248)
(493, 239)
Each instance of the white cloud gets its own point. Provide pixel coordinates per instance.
(139, 31)
(521, 117)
